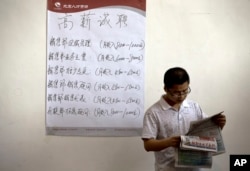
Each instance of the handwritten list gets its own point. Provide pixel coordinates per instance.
(95, 69)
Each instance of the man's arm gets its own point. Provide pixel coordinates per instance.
(158, 145)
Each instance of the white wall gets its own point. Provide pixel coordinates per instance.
(210, 38)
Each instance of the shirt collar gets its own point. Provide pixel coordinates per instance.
(166, 106)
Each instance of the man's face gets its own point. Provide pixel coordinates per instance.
(178, 92)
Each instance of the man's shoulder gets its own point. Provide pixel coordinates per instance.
(155, 106)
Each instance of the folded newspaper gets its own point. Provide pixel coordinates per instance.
(198, 143)
(200, 158)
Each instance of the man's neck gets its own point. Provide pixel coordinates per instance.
(172, 103)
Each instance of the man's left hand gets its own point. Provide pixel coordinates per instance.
(220, 120)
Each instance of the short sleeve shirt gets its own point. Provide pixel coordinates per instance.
(163, 121)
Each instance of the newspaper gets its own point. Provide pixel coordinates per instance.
(201, 159)
(193, 159)
(207, 128)
(198, 143)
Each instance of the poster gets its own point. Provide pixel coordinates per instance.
(95, 67)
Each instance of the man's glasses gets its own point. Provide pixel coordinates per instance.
(180, 93)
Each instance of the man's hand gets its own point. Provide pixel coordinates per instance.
(174, 141)
(220, 120)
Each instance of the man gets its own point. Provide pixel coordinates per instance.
(169, 118)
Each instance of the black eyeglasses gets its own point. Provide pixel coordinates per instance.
(180, 93)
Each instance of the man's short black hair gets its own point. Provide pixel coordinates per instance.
(176, 75)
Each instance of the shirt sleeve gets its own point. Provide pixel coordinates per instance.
(202, 115)
(149, 129)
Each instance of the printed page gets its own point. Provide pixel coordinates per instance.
(95, 67)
